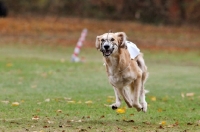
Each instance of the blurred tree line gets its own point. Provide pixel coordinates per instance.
(148, 11)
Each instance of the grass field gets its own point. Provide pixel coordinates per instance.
(43, 91)
(57, 95)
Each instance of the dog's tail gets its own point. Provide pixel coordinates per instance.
(143, 67)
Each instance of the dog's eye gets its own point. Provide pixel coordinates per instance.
(102, 40)
(112, 39)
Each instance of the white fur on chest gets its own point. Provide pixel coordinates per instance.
(121, 79)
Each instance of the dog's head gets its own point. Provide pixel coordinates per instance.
(109, 43)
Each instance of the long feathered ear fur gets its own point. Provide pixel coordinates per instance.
(97, 44)
(121, 37)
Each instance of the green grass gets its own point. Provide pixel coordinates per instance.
(42, 79)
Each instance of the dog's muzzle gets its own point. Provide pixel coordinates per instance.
(107, 49)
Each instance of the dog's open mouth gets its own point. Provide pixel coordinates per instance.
(107, 52)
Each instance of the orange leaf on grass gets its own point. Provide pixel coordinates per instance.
(121, 110)
(153, 98)
(162, 123)
(15, 104)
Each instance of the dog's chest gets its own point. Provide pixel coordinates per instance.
(120, 79)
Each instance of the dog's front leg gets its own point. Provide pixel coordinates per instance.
(117, 99)
(125, 94)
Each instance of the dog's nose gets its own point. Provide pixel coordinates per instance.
(106, 46)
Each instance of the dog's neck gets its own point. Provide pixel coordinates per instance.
(116, 64)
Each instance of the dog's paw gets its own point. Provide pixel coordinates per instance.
(144, 107)
(115, 106)
(138, 107)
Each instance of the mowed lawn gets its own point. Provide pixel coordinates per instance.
(42, 90)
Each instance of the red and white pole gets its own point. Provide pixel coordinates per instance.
(78, 46)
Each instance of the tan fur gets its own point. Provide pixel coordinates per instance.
(124, 72)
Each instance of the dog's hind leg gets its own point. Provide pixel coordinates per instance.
(135, 91)
(142, 99)
(117, 99)
(142, 93)
(141, 64)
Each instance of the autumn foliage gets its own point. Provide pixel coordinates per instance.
(148, 11)
(66, 31)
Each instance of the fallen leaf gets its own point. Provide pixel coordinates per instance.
(162, 123)
(128, 120)
(79, 121)
(189, 123)
(67, 98)
(5, 101)
(147, 123)
(71, 102)
(102, 116)
(59, 111)
(35, 118)
(89, 102)
(119, 130)
(189, 94)
(170, 126)
(15, 104)
(161, 127)
(47, 100)
(182, 95)
(153, 98)
(121, 110)
(176, 123)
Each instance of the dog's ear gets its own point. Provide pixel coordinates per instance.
(97, 44)
(121, 37)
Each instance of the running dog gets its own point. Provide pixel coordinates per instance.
(125, 68)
